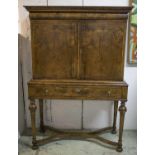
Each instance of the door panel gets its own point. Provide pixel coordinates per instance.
(101, 49)
(54, 49)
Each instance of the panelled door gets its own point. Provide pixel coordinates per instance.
(54, 49)
(101, 49)
(82, 49)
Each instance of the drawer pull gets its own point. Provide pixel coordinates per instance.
(109, 93)
(77, 90)
(56, 88)
(46, 91)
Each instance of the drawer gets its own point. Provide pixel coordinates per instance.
(76, 92)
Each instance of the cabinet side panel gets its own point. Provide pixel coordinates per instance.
(53, 49)
(102, 44)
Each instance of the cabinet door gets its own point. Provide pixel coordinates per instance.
(102, 49)
(54, 49)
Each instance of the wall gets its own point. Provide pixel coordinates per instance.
(68, 113)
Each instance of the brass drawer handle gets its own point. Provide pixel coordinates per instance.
(77, 90)
(46, 91)
(109, 93)
(57, 88)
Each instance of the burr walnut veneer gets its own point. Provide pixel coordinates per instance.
(78, 53)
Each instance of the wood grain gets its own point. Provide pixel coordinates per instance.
(78, 53)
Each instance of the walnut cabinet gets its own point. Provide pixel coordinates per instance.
(78, 53)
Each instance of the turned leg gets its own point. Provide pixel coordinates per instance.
(42, 129)
(115, 117)
(33, 108)
(122, 110)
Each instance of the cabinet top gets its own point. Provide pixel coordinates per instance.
(84, 9)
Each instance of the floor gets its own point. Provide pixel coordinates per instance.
(76, 147)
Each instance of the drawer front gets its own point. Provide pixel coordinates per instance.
(77, 92)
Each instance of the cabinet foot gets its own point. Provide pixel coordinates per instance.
(32, 108)
(119, 149)
(35, 147)
(122, 110)
(113, 131)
